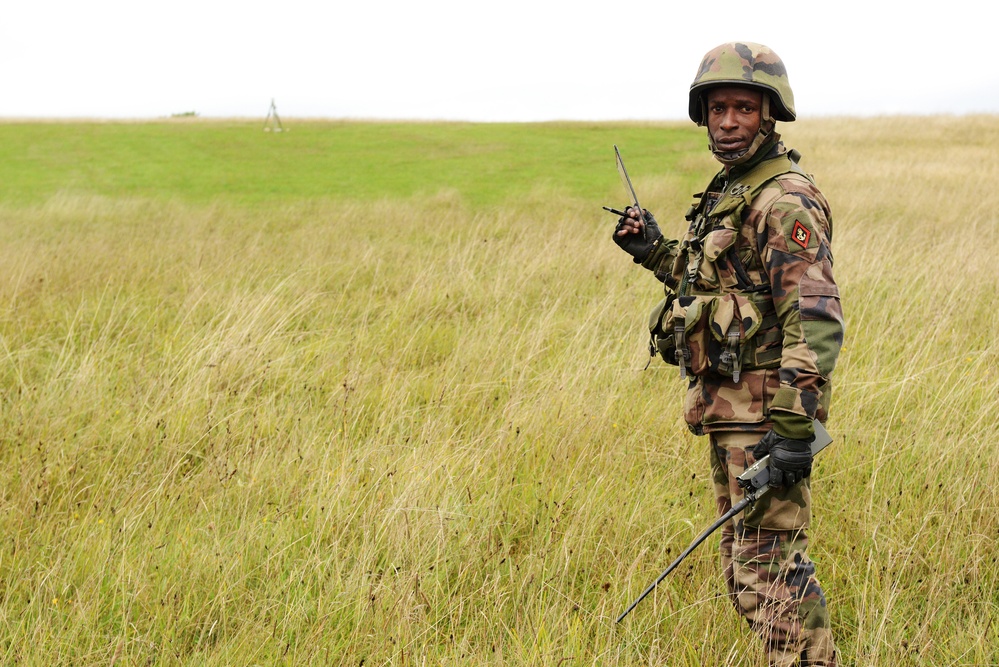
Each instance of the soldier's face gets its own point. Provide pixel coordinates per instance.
(734, 116)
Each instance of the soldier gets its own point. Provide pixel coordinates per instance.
(752, 318)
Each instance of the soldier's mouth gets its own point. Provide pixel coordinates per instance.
(730, 144)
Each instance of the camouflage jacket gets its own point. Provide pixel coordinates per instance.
(768, 243)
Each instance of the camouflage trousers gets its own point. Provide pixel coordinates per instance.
(771, 581)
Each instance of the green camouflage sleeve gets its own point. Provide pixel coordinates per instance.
(660, 262)
(799, 261)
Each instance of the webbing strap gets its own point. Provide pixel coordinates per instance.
(682, 353)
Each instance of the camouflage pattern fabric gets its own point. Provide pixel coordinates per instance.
(745, 64)
(770, 579)
(775, 248)
(767, 239)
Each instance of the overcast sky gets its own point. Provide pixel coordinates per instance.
(517, 60)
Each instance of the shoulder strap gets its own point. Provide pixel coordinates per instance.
(742, 191)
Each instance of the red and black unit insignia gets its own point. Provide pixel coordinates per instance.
(801, 234)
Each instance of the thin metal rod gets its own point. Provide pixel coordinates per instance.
(741, 505)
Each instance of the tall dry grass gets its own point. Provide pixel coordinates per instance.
(411, 433)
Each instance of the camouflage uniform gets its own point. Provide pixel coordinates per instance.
(756, 319)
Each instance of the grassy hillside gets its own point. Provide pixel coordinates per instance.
(373, 394)
(208, 161)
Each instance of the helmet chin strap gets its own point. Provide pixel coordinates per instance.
(734, 158)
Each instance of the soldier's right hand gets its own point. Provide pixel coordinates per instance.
(637, 233)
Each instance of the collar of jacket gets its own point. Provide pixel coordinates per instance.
(773, 148)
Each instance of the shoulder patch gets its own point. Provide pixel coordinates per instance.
(801, 235)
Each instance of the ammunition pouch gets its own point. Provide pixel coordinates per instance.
(660, 334)
(719, 333)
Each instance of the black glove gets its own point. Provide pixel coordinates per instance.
(790, 460)
(641, 244)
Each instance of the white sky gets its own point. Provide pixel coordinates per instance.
(519, 60)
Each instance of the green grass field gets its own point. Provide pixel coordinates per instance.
(203, 162)
(373, 393)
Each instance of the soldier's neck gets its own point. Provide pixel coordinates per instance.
(770, 149)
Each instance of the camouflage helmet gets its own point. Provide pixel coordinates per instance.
(743, 64)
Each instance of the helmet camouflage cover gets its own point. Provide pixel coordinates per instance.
(743, 64)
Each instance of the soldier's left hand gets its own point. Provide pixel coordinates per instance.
(790, 460)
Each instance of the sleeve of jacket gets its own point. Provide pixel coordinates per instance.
(660, 262)
(798, 258)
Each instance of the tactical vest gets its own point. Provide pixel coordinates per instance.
(711, 324)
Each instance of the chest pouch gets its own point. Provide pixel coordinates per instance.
(679, 331)
(704, 334)
(661, 330)
(734, 321)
